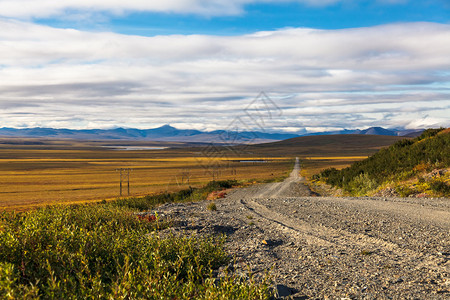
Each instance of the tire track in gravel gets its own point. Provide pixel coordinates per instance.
(276, 205)
(306, 233)
(332, 248)
(340, 239)
(327, 236)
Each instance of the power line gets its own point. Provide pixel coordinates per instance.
(124, 175)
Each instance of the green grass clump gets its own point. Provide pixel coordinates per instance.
(211, 206)
(367, 252)
(105, 252)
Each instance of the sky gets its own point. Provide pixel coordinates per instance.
(323, 65)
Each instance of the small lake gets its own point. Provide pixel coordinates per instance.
(134, 148)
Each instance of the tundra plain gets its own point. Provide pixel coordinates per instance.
(68, 172)
(40, 172)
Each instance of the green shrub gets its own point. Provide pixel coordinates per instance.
(361, 184)
(404, 191)
(106, 252)
(439, 187)
(220, 185)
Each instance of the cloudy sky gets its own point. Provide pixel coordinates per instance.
(325, 64)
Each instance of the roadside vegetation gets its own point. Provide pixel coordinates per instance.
(187, 195)
(417, 167)
(106, 251)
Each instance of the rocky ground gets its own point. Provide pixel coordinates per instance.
(327, 247)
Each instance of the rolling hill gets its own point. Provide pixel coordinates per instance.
(324, 145)
(376, 131)
(419, 166)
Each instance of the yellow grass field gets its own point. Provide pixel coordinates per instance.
(35, 177)
(37, 172)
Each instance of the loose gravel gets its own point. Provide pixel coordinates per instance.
(324, 247)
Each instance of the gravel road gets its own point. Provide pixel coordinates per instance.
(328, 248)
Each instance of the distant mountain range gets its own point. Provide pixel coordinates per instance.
(168, 133)
(376, 131)
(165, 133)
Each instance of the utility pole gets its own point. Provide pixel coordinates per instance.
(185, 175)
(124, 174)
(215, 174)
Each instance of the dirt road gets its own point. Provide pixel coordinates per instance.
(330, 248)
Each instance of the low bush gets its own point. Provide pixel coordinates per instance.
(106, 252)
(361, 184)
(440, 187)
(187, 195)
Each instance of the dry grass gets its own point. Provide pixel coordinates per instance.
(36, 172)
(36, 177)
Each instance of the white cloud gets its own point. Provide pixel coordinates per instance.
(353, 77)
(51, 8)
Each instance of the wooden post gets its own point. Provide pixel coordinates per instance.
(120, 182)
(122, 177)
(128, 177)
